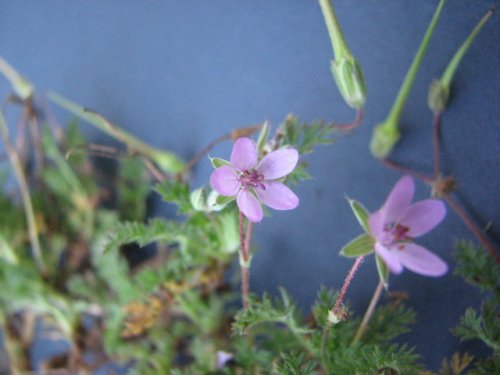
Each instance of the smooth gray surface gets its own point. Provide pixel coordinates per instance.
(180, 73)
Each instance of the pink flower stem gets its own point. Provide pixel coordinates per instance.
(436, 141)
(244, 260)
(338, 304)
(472, 227)
(347, 127)
(368, 314)
(398, 167)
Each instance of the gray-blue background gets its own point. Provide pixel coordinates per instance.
(180, 73)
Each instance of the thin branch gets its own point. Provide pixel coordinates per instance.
(368, 314)
(348, 127)
(472, 227)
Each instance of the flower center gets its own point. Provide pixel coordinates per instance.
(396, 234)
(251, 179)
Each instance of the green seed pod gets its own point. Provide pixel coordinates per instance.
(385, 136)
(349, 78)
(438, 96)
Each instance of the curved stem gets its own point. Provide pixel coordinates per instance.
(347, 127)
(368, 314)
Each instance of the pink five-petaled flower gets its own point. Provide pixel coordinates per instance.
(398, 221)
(254, 182)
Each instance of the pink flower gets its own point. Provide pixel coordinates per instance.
(254, 182)
(397, 222)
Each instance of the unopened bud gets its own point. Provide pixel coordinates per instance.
(438, 96)
(349, 78)
(384, 138)
(345, 69)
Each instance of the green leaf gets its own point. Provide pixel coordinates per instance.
(361, 245)
(383, 271)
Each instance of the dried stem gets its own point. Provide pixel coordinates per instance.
(25, 196)
(245, 261)
(368, 314)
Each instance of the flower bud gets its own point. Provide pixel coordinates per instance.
(438, 96)
(345, 69)
(349, 78)
(385, 136)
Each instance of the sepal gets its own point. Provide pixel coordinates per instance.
(360, 246)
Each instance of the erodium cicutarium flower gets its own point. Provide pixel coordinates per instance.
(254, 182)
(398, 222)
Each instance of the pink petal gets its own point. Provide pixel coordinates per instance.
(244, 154)
(225, 181)
(423, 216)
(398, 200)
(278, 163)
(389, 258)
(249, 206)
(278, 196)
(376, 224)
(420, 260)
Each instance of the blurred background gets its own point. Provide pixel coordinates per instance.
(178, 74)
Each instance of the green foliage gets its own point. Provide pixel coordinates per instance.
(477, 267)
(175, 192)
(133, 189)
(484, 326)
(140, 233)
(296, 363)
(305, 137)
(174, 312)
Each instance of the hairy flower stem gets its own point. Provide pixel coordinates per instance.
(338, 304)
(368, 314)
(245, 260)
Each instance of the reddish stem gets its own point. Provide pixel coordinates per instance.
(347, 282)
(346, 128)
(436, 141)
(472, 227)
